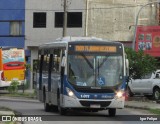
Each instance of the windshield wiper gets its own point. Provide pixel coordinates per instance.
(88, 62)
(103, 62)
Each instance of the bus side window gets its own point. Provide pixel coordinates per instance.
(56, 60)
(45, 64)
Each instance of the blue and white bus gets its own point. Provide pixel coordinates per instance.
(82, 73)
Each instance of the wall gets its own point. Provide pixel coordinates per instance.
(11, 10)
(37, 36)
(115, 19)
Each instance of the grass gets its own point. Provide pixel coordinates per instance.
(20, 94)
(5, 109)
(155, 111)
(27, 95)
(10, 122)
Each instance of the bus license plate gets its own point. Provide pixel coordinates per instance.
(95, 106)
(15, 79)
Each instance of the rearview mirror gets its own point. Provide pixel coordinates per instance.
(157, 75)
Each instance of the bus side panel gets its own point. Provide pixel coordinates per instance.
(14, 75)
(40, 95)
(1, 67)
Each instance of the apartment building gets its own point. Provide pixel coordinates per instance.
(12, 23)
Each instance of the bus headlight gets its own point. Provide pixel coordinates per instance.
(119, 94)
(70, 92)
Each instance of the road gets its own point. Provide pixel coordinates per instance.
(36, 108)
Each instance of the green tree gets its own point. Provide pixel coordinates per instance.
(140, 64)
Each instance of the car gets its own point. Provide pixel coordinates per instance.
(149, 86)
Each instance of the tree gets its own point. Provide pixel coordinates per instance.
(140, 63)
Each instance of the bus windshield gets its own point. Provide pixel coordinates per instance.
(88, 70)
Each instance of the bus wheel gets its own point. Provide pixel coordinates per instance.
(112, 112)
(54, 108)
(46, 105)
(61, 110)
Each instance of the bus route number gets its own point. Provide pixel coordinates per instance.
(85, 96)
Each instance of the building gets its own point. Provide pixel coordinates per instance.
(12, 23)
(44, 22)
(115, 19)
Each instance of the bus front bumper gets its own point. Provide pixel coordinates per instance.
(70, 102)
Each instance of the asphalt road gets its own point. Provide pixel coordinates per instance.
(29, 108)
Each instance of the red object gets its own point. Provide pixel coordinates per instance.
(13, 65)
(148, 40)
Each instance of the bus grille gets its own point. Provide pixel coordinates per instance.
(89, 90)
(101, 103)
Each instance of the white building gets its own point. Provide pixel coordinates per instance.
(43, 22)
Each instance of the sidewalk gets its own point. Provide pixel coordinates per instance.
(142, 105)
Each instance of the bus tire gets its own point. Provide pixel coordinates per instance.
(61, 110)
(54, 108)
(46, 105)
(112, 112)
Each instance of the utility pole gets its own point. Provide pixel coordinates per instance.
(65, 18)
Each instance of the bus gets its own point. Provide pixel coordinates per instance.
(82, 73)
(12, 66)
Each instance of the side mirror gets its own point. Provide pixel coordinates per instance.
(157, 75)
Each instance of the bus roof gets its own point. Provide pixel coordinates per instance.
(62, 42)
(9, 47)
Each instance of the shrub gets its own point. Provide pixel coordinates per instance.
(13, 88)
(140, 63)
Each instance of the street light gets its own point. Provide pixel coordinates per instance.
(134, 40)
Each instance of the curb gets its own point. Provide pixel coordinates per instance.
(10, 113)
(20, 99)
(135, 107)
(145, 105)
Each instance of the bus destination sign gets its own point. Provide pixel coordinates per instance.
(80, 48)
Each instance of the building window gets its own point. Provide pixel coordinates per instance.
(74, 19)
(16, 28)
(39, 20)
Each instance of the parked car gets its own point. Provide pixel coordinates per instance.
(149, 86)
